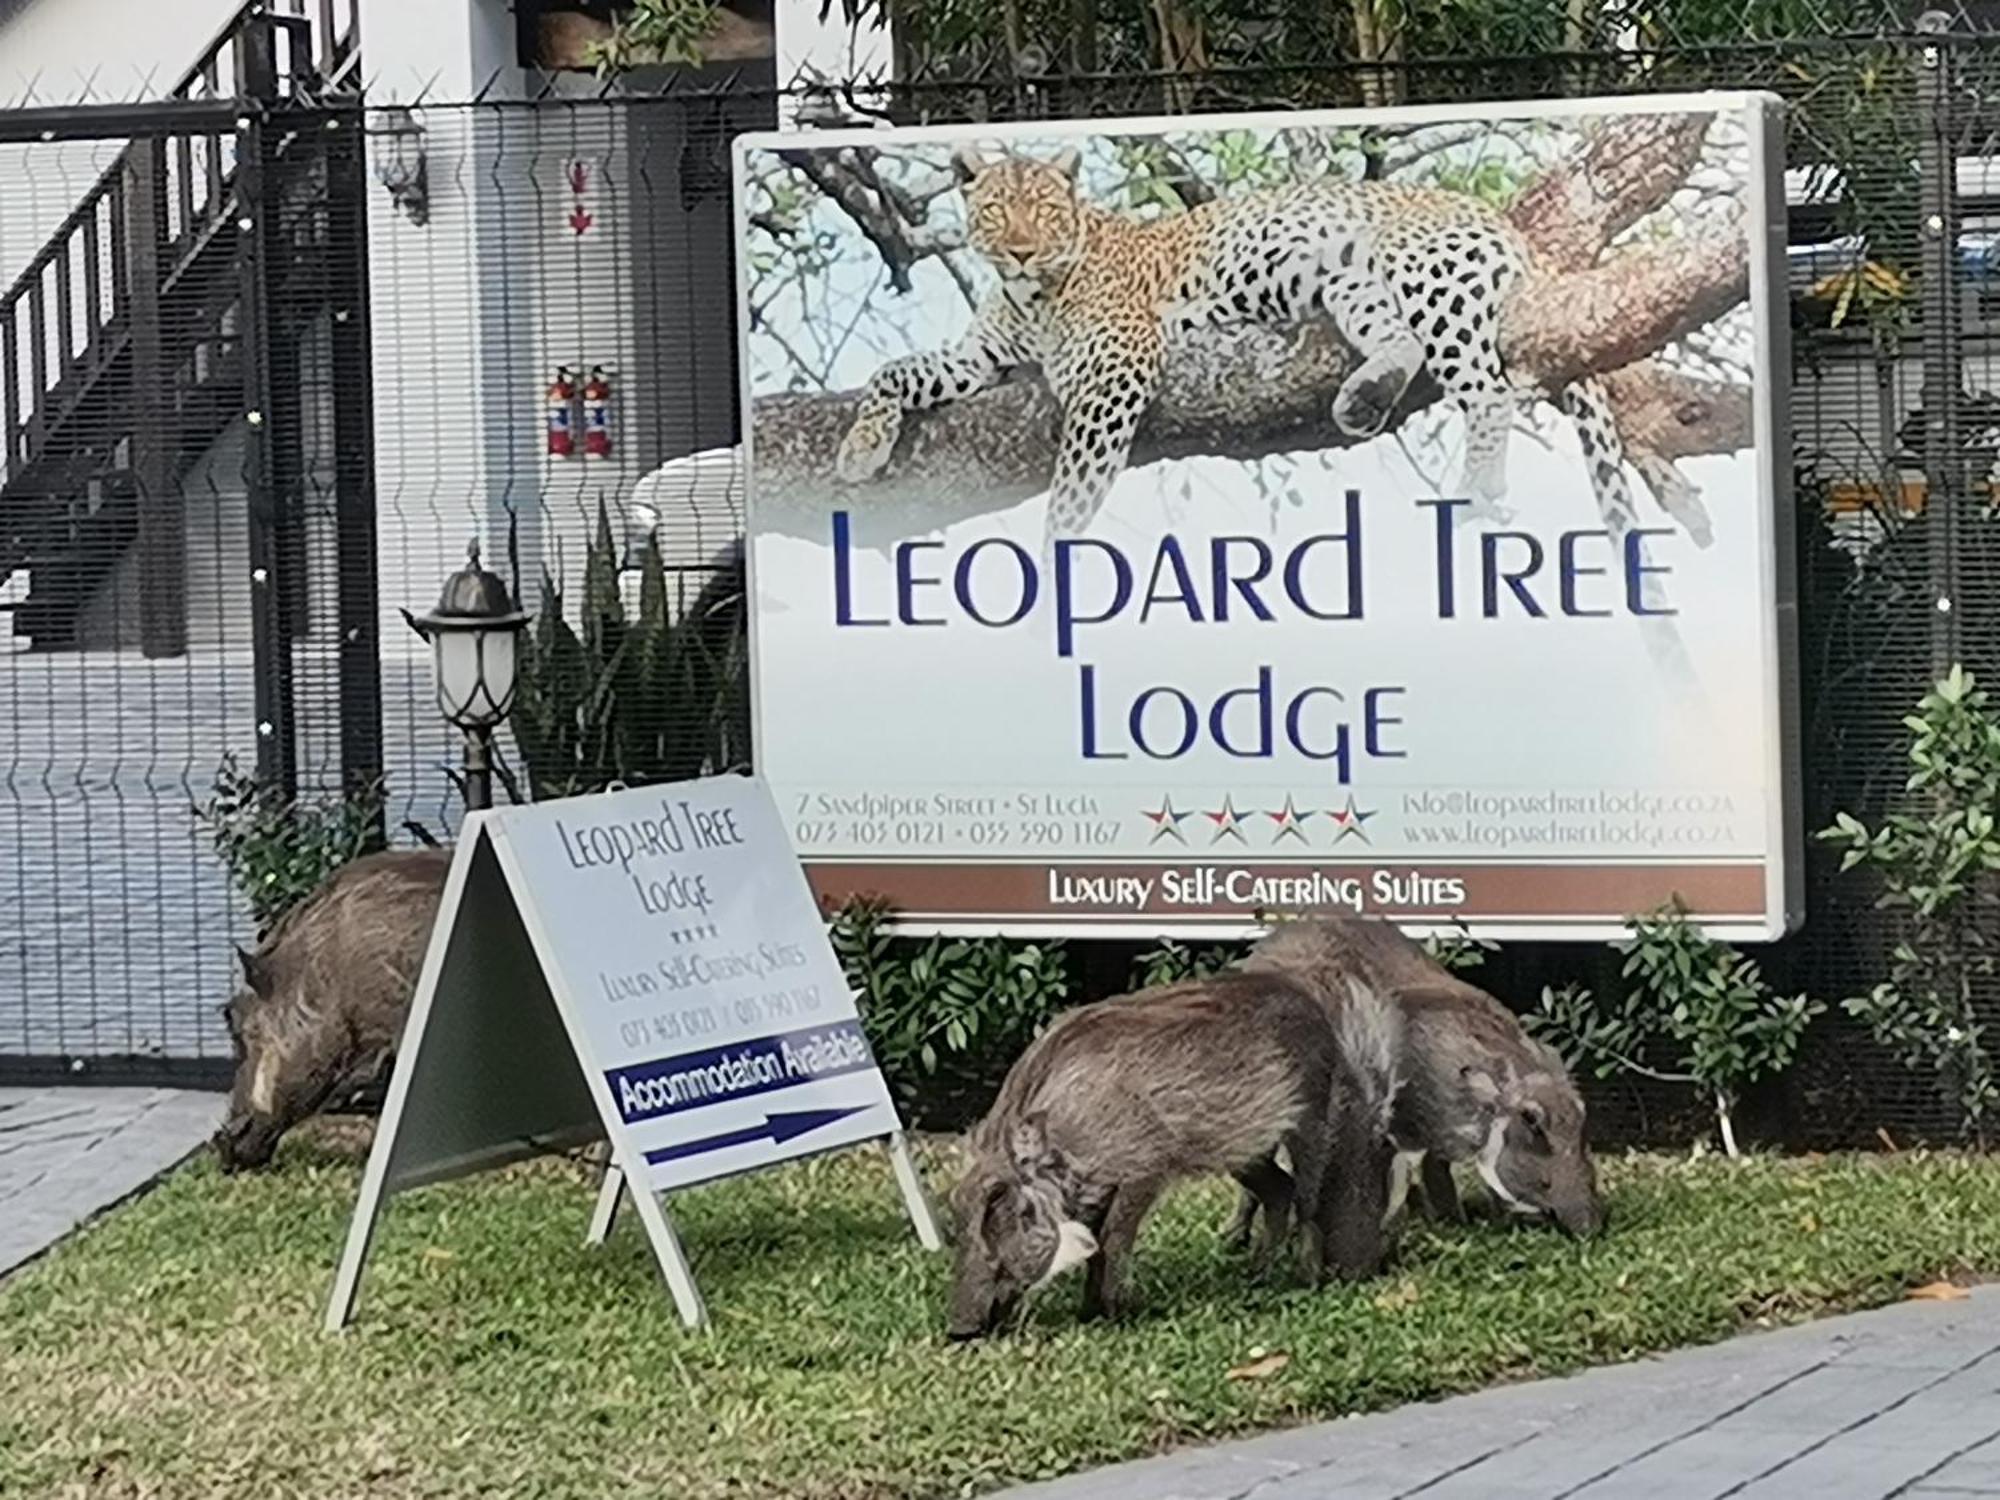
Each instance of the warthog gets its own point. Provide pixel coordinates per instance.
(1118, 1099)
(1474, 1086)
(320, 1005)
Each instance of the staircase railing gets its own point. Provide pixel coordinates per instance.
(153, 208)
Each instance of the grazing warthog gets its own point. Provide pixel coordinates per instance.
(1118, 1099)
(1474, 1085)
(320, 1005)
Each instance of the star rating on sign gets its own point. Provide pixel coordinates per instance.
(1226, 821)
(1289, 820)
(1347, 821)
(1166, 821)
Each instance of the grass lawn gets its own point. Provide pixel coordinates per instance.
(174, 1348)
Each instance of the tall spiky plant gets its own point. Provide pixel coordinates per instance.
(637, 700)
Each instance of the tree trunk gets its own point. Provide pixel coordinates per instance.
(1725, 1121)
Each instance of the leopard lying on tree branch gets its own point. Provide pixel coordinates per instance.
(1237, 354)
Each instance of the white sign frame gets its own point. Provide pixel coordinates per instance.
(437, 1122)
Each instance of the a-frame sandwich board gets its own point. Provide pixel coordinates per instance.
(645, 968)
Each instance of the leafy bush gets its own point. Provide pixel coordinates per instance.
(279, 852)
(636, 700)
(946, 1017)
(1932, 860)
(1697, 994)
(1456, 951)
(1171, 962)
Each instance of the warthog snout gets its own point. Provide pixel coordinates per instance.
(1011, 1234)
(1581, 1217)
(245, 1142)
(969, 1322)
(1535, 1159)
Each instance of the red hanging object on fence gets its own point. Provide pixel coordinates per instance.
(597, 414)
(562, 432)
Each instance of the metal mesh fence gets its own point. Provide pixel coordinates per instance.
(172, 474)
(268, 371)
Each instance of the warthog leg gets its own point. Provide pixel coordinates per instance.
(1104, 1275)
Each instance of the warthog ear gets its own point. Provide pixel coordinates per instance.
(249, 968)
(967, 163)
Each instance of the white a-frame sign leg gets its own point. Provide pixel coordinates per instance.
(645, 968)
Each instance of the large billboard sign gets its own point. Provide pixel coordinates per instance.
(1159, 525)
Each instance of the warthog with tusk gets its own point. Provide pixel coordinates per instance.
(1474, 1086)
(1120, 1098)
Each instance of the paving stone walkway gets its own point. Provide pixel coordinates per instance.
(1900, 1402)
(67, 1154)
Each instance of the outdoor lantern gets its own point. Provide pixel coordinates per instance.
(473, 634)
(401, 163)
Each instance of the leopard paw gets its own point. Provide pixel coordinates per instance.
(865, 451)
(1366, 399)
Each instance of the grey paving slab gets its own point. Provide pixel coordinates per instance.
(67, 1154)
(1974, 1471)
(1904, 1442)
(1900, 1402)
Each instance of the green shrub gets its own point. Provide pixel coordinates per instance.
(1693, 993)
(1172, 962)
(1459, 950)
(946, 1017)
(634, 699)
(1933, 861)
(277, 852)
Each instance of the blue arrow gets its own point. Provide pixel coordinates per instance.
(777, 1129)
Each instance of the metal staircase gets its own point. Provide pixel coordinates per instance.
(140, 331)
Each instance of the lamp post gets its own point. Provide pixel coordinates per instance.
(402, 165)
(473, 633)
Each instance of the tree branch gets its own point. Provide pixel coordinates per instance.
(1678, 416)
(873, 208)
(1633, 164)
(1556, 328)
(1247, 392)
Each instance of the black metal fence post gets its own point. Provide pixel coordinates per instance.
(1943, 352)
(271, 623)
(354, 458)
